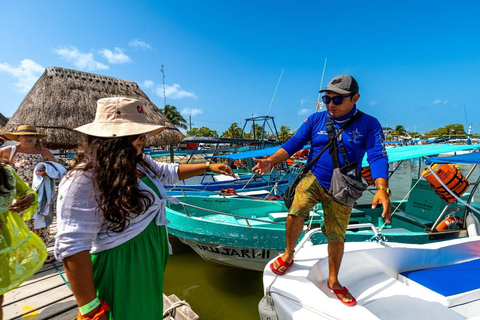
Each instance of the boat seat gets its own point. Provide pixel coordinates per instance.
(282, 216)
(464, 290)
(402, 216)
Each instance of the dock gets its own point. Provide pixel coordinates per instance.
(47, 296)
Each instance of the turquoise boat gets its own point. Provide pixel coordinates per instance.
(247, 233)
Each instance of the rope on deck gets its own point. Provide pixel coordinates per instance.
(170, 312)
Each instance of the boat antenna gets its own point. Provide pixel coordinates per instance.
(274, 93)
(164, 96)
(319, 101)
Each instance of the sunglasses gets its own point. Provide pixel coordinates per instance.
(140, 136)
(336, 100)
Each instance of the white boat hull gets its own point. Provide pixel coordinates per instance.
(237, 257)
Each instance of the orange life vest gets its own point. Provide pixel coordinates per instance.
(289, 162)
(367, 175)
(451, 177)
(228, 191)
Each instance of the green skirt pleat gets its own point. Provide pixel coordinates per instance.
(130, 277)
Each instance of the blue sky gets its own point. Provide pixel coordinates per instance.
(417, 62)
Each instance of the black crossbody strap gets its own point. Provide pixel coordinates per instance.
(350, 121)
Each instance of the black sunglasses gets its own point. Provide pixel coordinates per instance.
(336, 100)
(138, 136)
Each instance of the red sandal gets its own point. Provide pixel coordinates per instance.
(281, 264)
(344, 292)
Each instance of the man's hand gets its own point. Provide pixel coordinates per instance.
(262, 166)
(22, 203)
(381, 197)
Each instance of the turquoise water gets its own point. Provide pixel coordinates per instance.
(220, 293)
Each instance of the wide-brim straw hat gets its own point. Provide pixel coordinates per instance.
(24, 130)
(119, 117)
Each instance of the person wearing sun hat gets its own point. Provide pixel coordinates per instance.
(361, 135)
(24, 157)
(111, 216)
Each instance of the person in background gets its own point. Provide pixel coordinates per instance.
(363, 136)
(22, 253)
(111, 217)
(24, 157)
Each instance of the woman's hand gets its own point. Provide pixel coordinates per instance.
(22, 203)
(221, 168)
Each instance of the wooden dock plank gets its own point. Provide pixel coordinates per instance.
(32, 304)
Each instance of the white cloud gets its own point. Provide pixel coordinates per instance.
(303, 112)
(79, 59)
(439, 101)
(138, 44)
(373, 103)
(192, 111)
(27, 73)
(117, 57)
(305, 101)
(148, 84)
(174, 92)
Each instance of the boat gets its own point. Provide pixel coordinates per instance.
(247, 233)
(389, 281)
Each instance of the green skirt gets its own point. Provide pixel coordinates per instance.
(22, 252)
(130, 277)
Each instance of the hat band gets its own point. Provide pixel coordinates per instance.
(29, 131)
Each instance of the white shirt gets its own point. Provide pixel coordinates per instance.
(79, 221)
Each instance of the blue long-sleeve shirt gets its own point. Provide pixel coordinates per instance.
(363, 136)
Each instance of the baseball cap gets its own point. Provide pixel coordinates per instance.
(342, 84)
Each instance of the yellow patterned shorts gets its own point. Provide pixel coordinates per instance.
(308, 193)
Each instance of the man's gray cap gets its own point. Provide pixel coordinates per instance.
(342, 84)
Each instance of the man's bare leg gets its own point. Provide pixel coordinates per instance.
(335, 255)
(294, 228)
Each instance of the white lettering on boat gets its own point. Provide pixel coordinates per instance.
(240, 252)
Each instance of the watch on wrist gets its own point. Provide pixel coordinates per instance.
(207, 164)
(386, 189)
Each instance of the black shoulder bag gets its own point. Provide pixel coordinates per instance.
(346, 185)
(289, 193)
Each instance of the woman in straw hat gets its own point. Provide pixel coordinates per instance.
(21, 252)
(111, 215)
(24, 157)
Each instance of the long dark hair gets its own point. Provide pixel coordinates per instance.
(5, 187)
(112, 163)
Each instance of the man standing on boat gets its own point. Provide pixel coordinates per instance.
(365, 135)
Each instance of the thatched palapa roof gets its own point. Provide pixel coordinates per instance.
(3, 120)
(63, 99)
